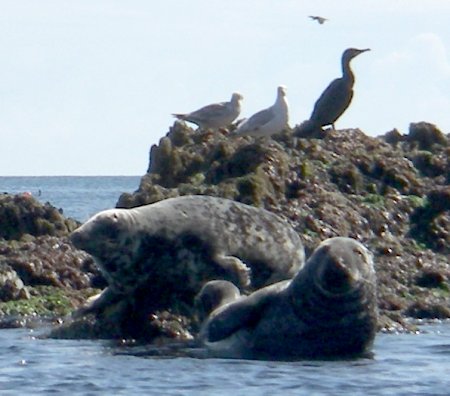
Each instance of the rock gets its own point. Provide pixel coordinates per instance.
(40, 272)
(430, 278)
(391, 193)
(11, 286)
(345, 183)
(426, 310)
(439, 199)
(430, 223)
(22, 214)
(425, 135)
(393, 137)
(309, 130)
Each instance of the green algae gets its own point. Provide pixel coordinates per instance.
(44, 301)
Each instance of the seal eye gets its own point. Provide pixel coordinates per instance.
(358, 252)
(111, 228)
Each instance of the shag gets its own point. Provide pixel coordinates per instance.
(338, 95)
(319, 19)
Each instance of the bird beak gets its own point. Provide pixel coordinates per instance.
(364, 50)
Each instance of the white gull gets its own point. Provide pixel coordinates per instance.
(268, 121)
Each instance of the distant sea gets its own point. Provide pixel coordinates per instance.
(403, 364)
(78, 196)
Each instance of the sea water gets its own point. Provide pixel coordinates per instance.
(79, 197)
(402, 364)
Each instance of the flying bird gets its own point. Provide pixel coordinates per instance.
(268, 121)
(216, 115)
(338, 95)
(319, 19)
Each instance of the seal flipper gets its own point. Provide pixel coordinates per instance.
(229, 321)
(240, 314)
(234, 266)
(97, 303)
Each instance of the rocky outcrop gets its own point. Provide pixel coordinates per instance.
(391, 193)
(41, 274)
(22, 214)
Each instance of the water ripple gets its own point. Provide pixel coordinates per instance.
(403, 364)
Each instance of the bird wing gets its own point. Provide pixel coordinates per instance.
(211, 111)
(257, 120)
(318, 18)
(332, 103)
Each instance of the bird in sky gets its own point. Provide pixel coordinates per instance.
(319, 19)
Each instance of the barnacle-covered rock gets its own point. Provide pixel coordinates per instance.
(390, 193)
(22, 214)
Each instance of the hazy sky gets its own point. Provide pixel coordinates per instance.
(87, 86)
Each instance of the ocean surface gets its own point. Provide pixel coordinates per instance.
(402, 364)
(78, 196)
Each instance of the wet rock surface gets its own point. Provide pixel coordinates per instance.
(41, 275)
(21, 214)
(391, 193)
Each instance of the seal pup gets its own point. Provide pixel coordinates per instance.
(214, 294)
(328, 310)
(153, 244)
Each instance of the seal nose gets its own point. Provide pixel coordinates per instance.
(336, 276)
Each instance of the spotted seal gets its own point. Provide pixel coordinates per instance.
(327, 310)
(214, 294)
(155, 243)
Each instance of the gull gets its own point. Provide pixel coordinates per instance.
(268, 121)
(319, 19)
(216, 115)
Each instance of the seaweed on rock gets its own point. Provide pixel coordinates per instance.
(391, 193)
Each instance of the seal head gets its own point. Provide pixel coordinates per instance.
(213, 295)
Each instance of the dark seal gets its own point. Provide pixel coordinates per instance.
(329, 310)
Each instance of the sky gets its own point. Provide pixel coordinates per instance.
(87, 86)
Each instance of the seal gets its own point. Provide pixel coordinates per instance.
(213, 295)
(328, 310)
(176, 245)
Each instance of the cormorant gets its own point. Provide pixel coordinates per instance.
(268, 121)
(338, 95)
(319, 19)
(216, 115)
